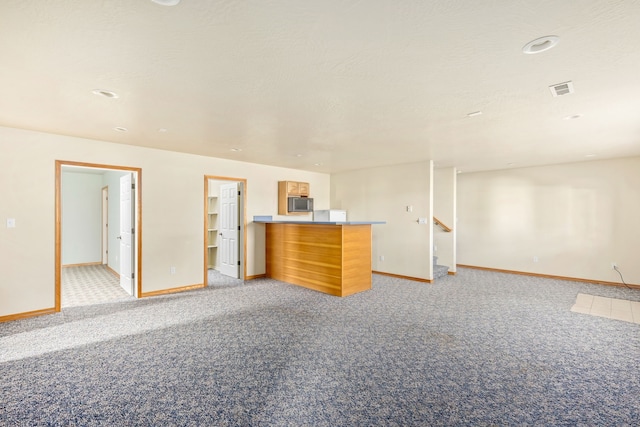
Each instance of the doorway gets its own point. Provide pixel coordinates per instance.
(89, 251)
(224, 230)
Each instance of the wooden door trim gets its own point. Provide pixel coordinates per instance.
(206, 217)
(58, 219)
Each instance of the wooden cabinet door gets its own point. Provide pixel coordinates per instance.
(292, 188)
(303, 189)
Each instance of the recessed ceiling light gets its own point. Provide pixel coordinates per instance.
(105, 93)
(236, 149)
(317, 164)
(510, 164)
(573, 117)
(120, 129)
(166, 2)
(540, 45)
(162, 130)
(475, 113)
(298, 155)
(590, 155)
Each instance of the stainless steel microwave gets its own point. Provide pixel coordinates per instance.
(300, 204)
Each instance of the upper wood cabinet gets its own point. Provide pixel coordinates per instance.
(290, 189)
(295, 188)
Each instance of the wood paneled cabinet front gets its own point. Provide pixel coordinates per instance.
(288, 189)
(300, 189)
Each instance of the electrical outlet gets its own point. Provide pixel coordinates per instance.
(381, 257)
(172, 270)
(614, 265)
(535, 259)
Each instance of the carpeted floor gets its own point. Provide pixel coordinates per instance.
(478, 348)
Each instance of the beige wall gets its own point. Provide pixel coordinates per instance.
(383, 194)
(575, 218)
(172, 212)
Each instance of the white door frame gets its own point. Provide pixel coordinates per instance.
(127, 232)
(58, 221)
(105, 225)
(243, 224)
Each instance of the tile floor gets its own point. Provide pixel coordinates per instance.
(612, 308)
(90, 284)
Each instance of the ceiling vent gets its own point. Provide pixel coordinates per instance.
(561, 89)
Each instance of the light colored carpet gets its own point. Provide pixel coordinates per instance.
(477, 348)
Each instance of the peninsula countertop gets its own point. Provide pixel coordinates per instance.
(333, 257)
(269, 221)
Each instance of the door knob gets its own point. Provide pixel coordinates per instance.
(119, 237)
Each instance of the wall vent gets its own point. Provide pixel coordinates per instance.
(561, 89)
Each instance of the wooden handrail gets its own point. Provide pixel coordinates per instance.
(441, 224)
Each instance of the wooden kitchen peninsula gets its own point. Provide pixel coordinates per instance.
(330, 257)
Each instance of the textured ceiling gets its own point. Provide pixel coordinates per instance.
(329, 85)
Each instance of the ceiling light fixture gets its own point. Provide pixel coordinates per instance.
(105, 93)
(573, 117)
(166, 2)
(475, 113)
(120, 129)
(236, 149)
(540, 44)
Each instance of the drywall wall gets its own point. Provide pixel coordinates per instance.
(172, 212)
(81, 206)
(444, 208)
(568, 220)
(402, 246)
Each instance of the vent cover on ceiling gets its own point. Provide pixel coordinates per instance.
(561, 89)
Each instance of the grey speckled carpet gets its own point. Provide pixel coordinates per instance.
(478, 348)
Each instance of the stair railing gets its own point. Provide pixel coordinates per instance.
(442, 225)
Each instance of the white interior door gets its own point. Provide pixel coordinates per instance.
(127, 232)
(229, 234)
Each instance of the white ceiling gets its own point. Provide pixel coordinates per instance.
(326, 85)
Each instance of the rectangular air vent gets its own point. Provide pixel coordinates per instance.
(561, 89)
